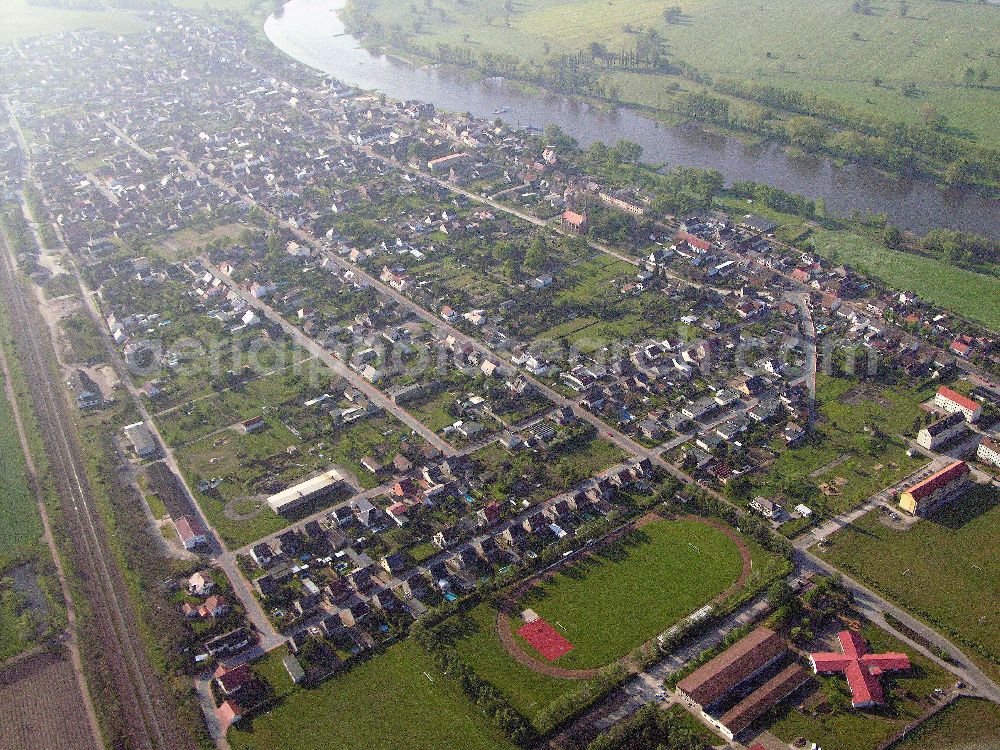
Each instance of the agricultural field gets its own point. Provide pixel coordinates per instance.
(657, 574)
(22, 20)
(968, 723)
(841, 465)
(944, 569)
(395, 701)
(883, 62)
(867, 729)
(20, 524)
(60, 724)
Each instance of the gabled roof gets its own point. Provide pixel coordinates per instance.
(937, 480)
(954, 396)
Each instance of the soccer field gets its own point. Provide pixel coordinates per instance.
(615, 600)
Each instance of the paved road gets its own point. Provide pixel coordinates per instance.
(876, 604)
(315, 348)
(874, 607)
(883, 497)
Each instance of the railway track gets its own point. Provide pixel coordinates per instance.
(141, 707)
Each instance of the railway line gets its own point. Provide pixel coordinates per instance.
(141, 709)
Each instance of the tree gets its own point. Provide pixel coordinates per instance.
(807, 132)
(738, 490)
(931, 117)
(627, 152)
(672, 14)
(904, 8)
(556, 138)
(891, 236)
(779, 593)
(537, 254)
(968, 76)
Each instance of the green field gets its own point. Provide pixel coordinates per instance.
(967, 724)
(944, 569)
(477, 644)
(22, 20)
(611, 602)
(821, 47)
(854, 474)
(395, 701)
(20, 524)
(866, 730)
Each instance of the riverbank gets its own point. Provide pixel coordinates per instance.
(873, 93)
(311, 32)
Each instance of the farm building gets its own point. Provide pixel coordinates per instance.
(728, 690)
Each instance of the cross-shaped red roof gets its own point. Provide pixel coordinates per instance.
(861, 668)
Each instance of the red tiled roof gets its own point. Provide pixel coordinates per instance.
(188, 528)
(572, 217)
(964, 401)
(764, 698)
(861, 668)
(233, 679)
(939, 479)
(711, 681)
(694, 240)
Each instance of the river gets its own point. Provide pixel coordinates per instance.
(311, 32)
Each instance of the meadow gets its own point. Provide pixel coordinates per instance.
(882, 61)
(23, 20)
(397, 700)
(944, 569)
(973, 295)
(968, 723)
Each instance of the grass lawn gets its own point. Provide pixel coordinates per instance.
(611, 602)
(845, 407)
(395, 701)
(968, 723)
(944, 569)
(867, 729)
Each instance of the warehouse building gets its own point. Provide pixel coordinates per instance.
(289, 500)
(744, 682)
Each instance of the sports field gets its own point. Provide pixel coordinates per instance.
(944, 569)
(615, 600)
(395, 701)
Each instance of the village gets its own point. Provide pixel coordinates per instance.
(380, 365)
